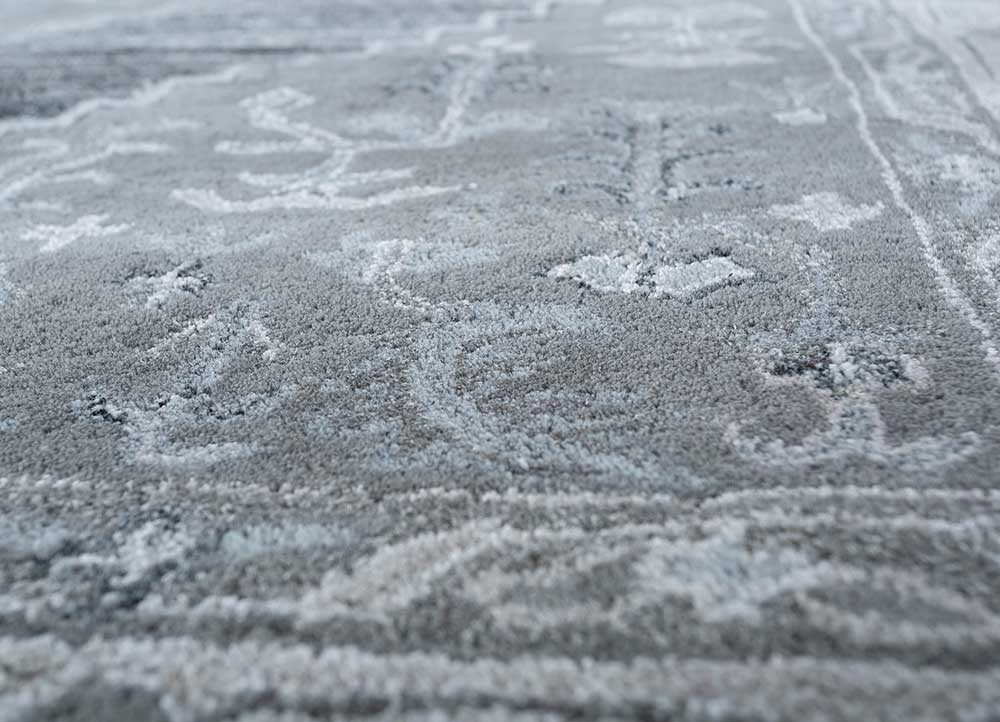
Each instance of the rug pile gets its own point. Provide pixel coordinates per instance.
(513, 360)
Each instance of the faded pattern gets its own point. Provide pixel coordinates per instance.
(500, 359)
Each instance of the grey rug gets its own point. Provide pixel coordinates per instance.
(526, 360)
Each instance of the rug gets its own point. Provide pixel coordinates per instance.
(513, 360)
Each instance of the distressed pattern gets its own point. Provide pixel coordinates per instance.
(500, 359)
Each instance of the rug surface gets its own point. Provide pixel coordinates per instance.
(499, 360)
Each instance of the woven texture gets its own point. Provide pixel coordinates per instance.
(515, 361)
